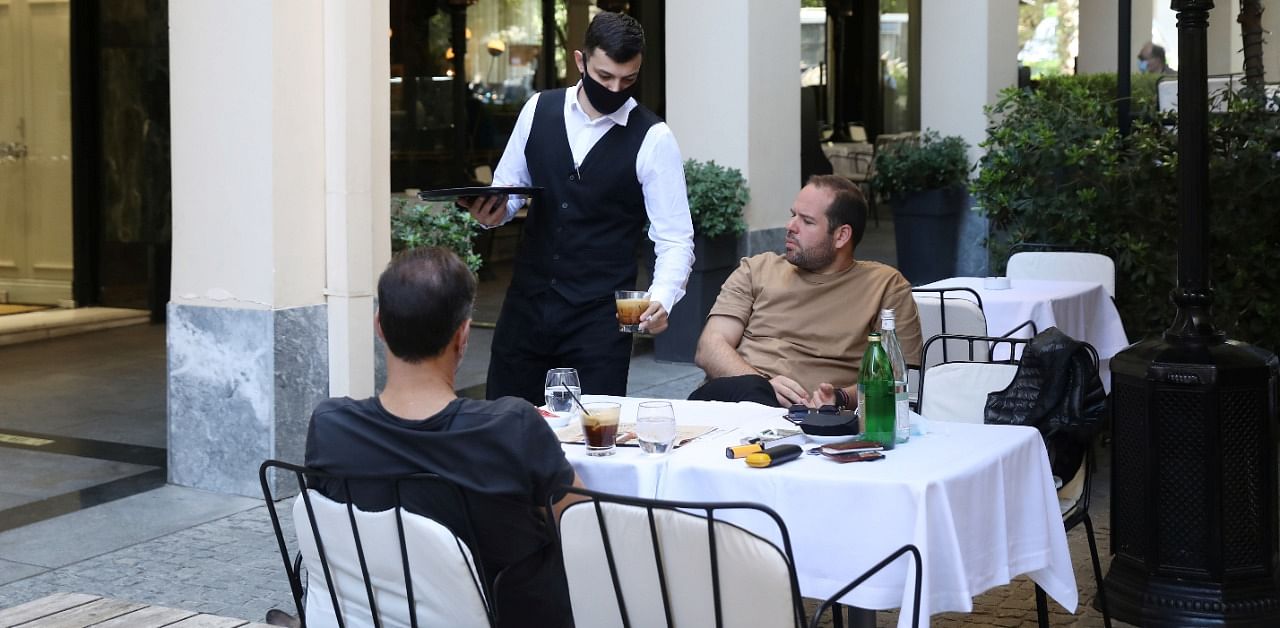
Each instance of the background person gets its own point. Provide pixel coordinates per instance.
(608, 165)
(791, 329)
(502, 454)
(1151, 60)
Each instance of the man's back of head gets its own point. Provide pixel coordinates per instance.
(424, 296)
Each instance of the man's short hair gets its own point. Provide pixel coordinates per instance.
(1158, 53)
(424, 296)
(848, 205)
(619, 35)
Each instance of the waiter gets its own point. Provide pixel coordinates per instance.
(608, 165)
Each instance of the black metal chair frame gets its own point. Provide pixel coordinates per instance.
(1079, 512)
(707, 511)
(293, 569)
(942, 317)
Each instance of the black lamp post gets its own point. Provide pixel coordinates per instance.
(1194, 503)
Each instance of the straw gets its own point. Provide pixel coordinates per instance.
(576, 400)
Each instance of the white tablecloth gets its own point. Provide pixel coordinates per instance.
(1081, 309)
(977, 500)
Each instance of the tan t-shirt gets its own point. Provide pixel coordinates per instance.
(813, 328)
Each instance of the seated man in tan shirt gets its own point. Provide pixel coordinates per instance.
(791, 329)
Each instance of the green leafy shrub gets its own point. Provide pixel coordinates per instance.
(716, 197)
(416, 224)
(1057, 171)
(935, 162)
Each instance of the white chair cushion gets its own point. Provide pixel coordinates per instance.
(957, 391)
(754, 575)
(1064, 265)
(1071, 492)
(444, 584)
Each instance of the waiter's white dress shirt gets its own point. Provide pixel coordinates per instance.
(659, 168)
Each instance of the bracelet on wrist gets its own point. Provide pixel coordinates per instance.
(842, 398)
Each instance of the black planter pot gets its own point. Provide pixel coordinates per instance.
(925, 227)
(715, 260)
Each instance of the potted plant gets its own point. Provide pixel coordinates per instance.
(415, 224)
(925, 184)
(717, 195)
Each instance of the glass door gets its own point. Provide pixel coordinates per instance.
(35, 152)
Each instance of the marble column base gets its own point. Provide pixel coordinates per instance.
(971, 245)
(242, 384)
(762, 241)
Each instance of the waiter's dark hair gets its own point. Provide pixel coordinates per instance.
(424, 295)
(848, 205)
(619, 35)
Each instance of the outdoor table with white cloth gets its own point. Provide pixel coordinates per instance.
(977, 500)
(1081, 309)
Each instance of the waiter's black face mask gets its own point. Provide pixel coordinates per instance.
(605, 100)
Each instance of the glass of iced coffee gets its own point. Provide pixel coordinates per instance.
(631, 304)
(600, 426)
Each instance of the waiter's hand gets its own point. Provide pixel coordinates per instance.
(487, 210)
(654, 319)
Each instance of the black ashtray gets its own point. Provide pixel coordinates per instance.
(824, 421)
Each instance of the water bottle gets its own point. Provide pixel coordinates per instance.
(902, 405)
(875, 394)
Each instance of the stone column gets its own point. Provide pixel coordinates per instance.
(733, 96)
(272, 172)
(1226, 49)
(968, 53)
(1271, 52)
(1099, 34)
(357, 132)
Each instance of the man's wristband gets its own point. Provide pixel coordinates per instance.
(842, 398)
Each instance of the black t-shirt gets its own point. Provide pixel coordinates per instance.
(503, 456)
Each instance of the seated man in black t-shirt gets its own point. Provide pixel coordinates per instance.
(501, 453)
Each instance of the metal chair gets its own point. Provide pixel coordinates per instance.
(965, 380)
(1053, 262)
(386, 568)
(955, 310)
(961, 389)
(644, 562)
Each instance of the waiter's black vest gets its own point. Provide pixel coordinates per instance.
(581, 234)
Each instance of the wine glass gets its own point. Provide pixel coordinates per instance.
(656, 427)
(559, 391)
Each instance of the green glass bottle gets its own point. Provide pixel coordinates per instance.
(876, 394)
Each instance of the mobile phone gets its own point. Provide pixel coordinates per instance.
(851, 446)
(855, 456)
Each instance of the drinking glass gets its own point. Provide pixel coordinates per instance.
(631, 304)
(560, 389)
(656, 427)
(600, 426)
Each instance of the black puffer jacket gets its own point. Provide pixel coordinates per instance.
(1056, 390)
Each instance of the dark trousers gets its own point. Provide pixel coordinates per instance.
(538, 333)
(737, 388)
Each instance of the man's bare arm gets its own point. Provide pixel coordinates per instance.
(717, 352)
(569, 498)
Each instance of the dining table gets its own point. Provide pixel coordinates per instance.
(1080, 309)
(978, 501)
